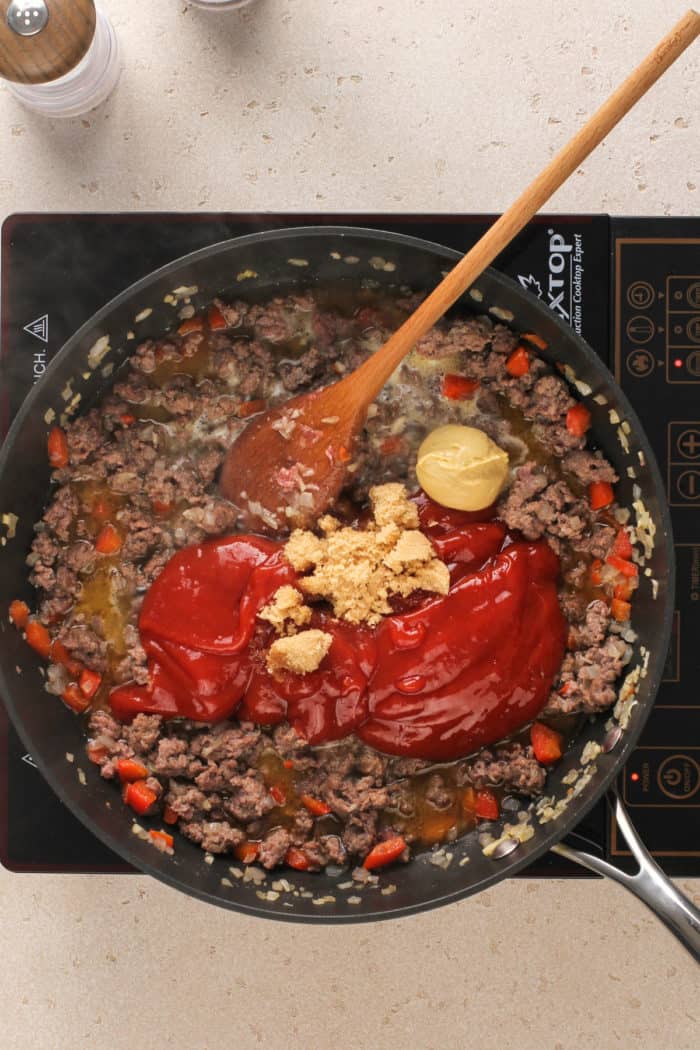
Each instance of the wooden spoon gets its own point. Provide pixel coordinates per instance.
(289, 463)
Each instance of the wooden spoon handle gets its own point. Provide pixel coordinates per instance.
(369, 379)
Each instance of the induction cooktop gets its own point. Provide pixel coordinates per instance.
(629, 286)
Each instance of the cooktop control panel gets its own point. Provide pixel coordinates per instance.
(655, 284)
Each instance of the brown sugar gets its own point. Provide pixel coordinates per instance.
(299, 653)
(286, 610)
(359, 571)
(391, 506)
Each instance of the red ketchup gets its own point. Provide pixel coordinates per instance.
(438, 680)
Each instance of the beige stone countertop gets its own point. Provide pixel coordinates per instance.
(371, 105)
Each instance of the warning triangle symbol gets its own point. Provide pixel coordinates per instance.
(39, 328)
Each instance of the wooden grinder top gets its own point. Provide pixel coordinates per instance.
(49, 38)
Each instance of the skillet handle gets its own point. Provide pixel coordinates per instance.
(650, 884)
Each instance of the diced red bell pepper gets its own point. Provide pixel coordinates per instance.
(162, 836)
(192, 324)
(596, 578)
(57, 448)
(546, 743)
(578, 420)
(250, 408)
(621, 565)
(297, 859)
(89, 682)
(170, 816)
(127, 419)
(390, 445)
(486, 805)
(367, 317)
(536, 340)
(129, 770)
(458, 388)
(621, 611)
(624, 591)
(384, 853)
(288, 764)
(247, 852)
(72, 696)
(278, 795)
(60, 655)
(566, 688)
(622, 546)
(108, 540)
(39, 638)
(216, 319)
(96, 753)
(600, 494)
(160, 508)
(139, 796)
(19, 614)
(315, 805)
(518, 364)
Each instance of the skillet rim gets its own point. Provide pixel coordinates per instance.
(579, 806)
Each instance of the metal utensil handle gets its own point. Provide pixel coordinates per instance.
(650, 884)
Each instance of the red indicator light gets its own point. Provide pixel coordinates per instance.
(678, 363)
(634, 776)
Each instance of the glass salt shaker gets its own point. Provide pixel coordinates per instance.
(59, 57)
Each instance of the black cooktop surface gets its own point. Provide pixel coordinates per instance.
(630, 287)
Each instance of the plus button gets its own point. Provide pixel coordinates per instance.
(689, 443)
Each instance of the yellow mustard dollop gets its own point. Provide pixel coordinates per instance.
(461, 467)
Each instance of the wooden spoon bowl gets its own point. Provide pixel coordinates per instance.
(288, 464)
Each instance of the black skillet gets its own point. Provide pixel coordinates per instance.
(261, 265)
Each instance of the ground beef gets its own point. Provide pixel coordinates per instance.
(85, 643)
(233, 313)
(300, 373)
(80, 557)
(512, 767)
(249, 798)
(588, 467)
(244, 364)
(466, 336)
(190, 802)
(274, 847)
(153, 449)
(172, 758)
(437, 793)
(214, 836)
(536, 505)
(360, 833)
(143, 733)
(550, 400)
(587, 678)
(85, 437)
(56, 608)
(60, 514)
(132, 667)
(224, 742)
(594, 628)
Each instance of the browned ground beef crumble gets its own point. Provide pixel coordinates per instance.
(153, 447)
